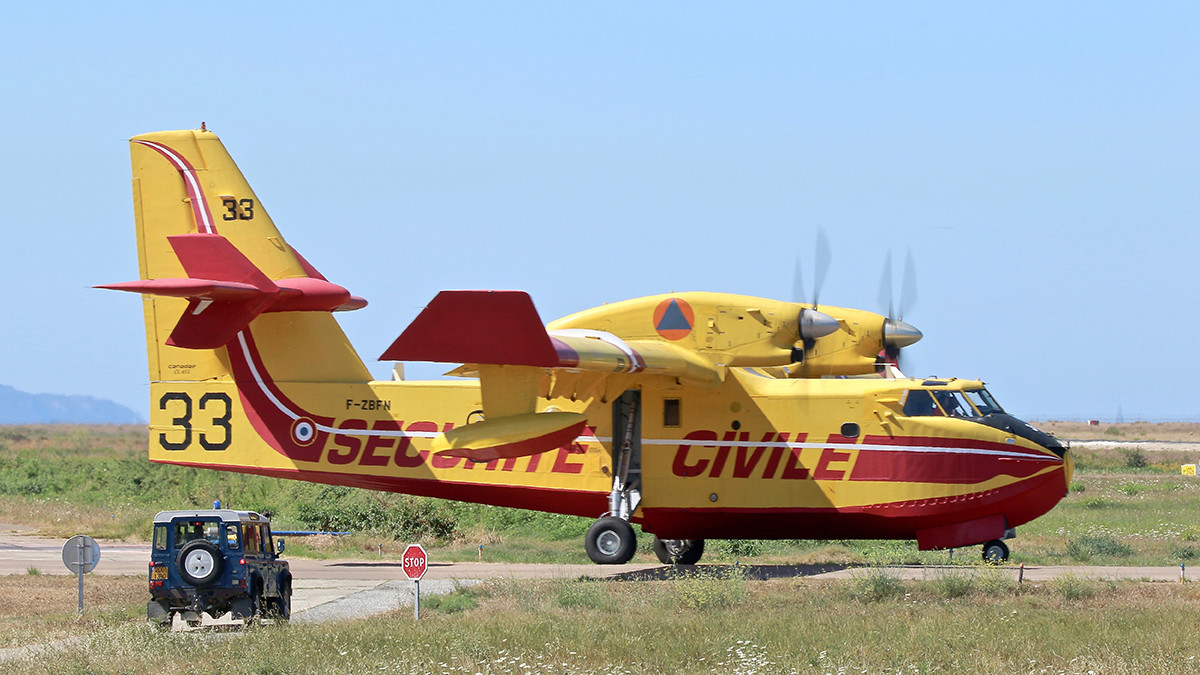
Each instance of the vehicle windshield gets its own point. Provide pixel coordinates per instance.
(983, 401)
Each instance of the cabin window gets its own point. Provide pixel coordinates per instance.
(939, 402)
(850, 430)
(671, 412)
(160, 537)
(954, 404)
(191, 530)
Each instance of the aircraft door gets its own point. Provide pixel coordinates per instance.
(627, 454)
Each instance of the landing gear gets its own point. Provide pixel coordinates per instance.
(995, 552)
(610, 541)
(678, 551)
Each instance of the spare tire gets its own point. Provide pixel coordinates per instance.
(200, 562)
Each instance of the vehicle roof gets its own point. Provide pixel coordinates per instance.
(226, 515)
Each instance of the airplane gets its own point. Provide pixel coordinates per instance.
(697, 415)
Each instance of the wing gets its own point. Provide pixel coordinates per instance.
(503, 341)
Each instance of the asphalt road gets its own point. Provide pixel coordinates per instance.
(329, 589)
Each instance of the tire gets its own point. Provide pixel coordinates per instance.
(200, 562)
(610, 541)
(280, 609)
(995, 552)
(678, 551)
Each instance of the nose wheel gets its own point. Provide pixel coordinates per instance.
(995, 552)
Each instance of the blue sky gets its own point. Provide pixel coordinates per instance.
(1041, 163)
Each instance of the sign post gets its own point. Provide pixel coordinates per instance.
(414, 562)
(80, 554)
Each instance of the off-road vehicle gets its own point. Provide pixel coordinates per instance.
(216, 566)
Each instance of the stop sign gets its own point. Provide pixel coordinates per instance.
(415, 561)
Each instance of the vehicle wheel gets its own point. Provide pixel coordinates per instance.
(995, 552)
(280, 609)
(678, 551)
(610, 541)
(200, 562)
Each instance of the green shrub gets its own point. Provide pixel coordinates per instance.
(1135, 458)
(1076, 486)
(874, 584)
(739, 548)
(1073, 587)
(1083, 548)
(950, 584)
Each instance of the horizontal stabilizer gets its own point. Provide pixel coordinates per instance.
(226, 291)
(513, 436)
(485, 327)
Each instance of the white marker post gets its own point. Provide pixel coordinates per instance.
(80, 554)
(414, 562)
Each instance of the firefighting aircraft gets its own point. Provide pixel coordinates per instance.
(697, 415)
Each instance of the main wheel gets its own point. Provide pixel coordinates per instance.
(610, 541)
(995, 552)
(678, 551)
(200, 562)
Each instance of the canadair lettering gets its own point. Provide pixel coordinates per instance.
(736, 456)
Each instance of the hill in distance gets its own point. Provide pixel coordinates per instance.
(18, 407)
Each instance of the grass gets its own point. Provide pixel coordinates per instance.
(1069, 625)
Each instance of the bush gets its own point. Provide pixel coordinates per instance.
(1076, 486)
(874, 584)
(950, 584)
(1073, 587)
(1135, 458)
(403, 517)
(1083, 548)
(739, 548)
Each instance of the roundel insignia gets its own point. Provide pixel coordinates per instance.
(674, 318)
(304, 431)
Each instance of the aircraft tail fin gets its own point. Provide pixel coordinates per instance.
(212, 265)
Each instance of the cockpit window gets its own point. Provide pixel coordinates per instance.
(954, 404)
(919, 403)
(939, 402)
(983, 401)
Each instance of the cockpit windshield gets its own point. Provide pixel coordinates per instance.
(984, 403)
(949, 403)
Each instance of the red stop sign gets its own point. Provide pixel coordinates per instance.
(415, 561)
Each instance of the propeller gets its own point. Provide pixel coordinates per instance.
(897, 334)
(813, 324)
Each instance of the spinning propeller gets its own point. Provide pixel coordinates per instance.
(896, 333)
(813, 324)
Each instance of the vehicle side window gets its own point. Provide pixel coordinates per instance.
(233, 541)
(252, 543)
(268, 542)
(160, 537)
(919, 403)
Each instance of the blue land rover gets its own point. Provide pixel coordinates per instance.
(216, 562)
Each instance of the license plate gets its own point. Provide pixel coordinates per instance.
(159, 572)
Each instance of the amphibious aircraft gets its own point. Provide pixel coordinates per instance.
(697, 415)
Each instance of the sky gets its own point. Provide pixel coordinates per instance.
(1041, 161)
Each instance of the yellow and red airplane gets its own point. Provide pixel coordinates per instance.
(697, 415)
